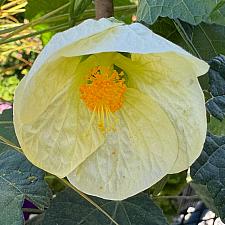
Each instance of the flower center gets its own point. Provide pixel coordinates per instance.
(104, 94)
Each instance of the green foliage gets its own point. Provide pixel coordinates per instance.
(2, 2)
(136, 210)
(158, 187)
(205, 195)
(216, 126)
(209, 40)
(201, 39)
(127, 13)
(121, 2)
(209, 170)
(65, 17)
(172, 184)
(77, 7)
(54, 183)
(36, 9)
(216, 105)
(218, 14)
(7, 131)
(7, 87)
(204, 40)
(192, 12)
(165, 27)
(15, 62)
(20, 180)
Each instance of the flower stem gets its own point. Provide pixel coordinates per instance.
(104, 8)
(176, 197)
(33, 211)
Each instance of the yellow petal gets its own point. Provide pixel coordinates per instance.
(52, 124)
(97, 36)
(170, 79)
(138, 154)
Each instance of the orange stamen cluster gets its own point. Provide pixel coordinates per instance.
(104, 91)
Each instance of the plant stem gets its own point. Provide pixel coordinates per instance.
(65, 182)
(35, 22)
(185, 37)
(55, 28)
(103, 8)
(9, 143)
(176, 197)
(34, 211)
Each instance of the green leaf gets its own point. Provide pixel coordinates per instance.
(122, 2)
(219, 5)
(218, 14)
(80, 5)
(166, 28)
(209, 11)
(36, 9)
(158, 187)
(128, 9)
(209, 170)
(173, 187)
(175, 32)
(209, 40)
(216, 126)
(193, 12)
(204, 194)
(216, 105)
(68, 13)
(45, 37)
(204, 40)
(20, 180)
(7, 129)
(69, 208)
(2, 2)
(77, 7)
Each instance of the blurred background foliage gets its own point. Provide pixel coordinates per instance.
(17, 56)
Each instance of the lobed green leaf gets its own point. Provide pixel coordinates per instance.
(69, 208)
(209, 171)
(7, 132)
(192, 12)
(20, 180)
(216, 105)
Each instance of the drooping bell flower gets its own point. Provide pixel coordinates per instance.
(112, 107)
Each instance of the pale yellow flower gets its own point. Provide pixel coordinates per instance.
(113, 123)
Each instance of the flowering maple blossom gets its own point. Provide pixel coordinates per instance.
(113, 107)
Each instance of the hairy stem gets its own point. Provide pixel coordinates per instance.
(103, 8)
